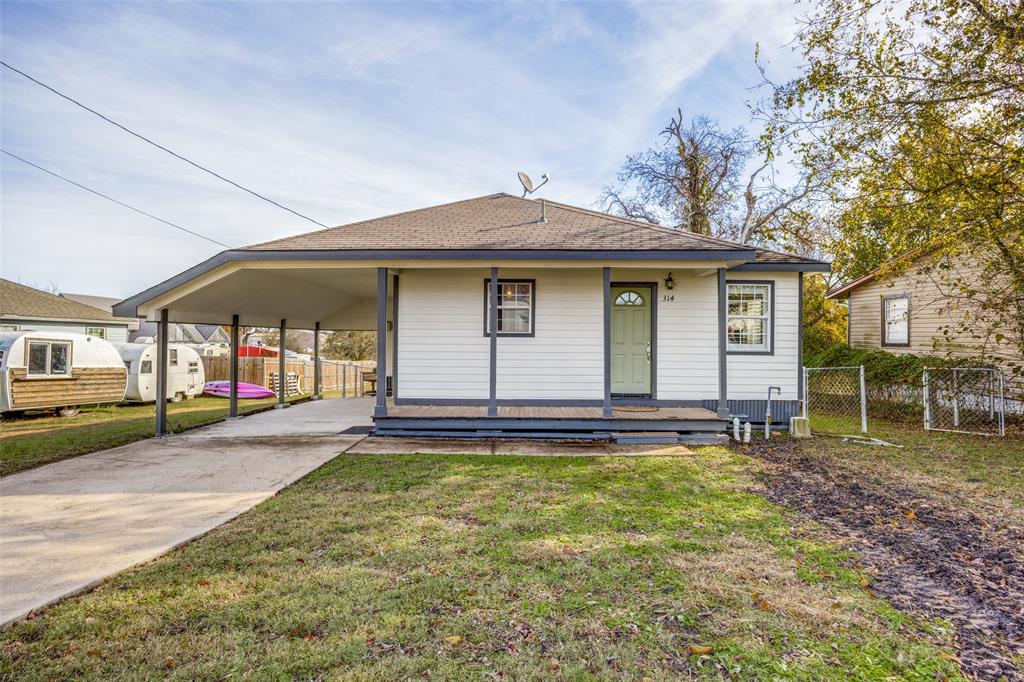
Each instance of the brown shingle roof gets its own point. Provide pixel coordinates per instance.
(502, 221)
(20, 300)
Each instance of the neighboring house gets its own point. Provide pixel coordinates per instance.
(103, 303)
(23, 308)
(599, 325)
(914, 310)
(184, 333)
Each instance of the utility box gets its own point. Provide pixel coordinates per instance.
(799, 427)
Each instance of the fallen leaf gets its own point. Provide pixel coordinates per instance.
(700, 649)
(912, 515)
(169, 663)
(454, 640)
(204, 583)
(301, 560)
(555, 665)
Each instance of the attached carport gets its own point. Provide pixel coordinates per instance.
(235, 291)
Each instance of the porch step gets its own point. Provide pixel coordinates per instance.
(645, 437)
(703, 439)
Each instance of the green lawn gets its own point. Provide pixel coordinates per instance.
(455, 567)
(35, 439)
(972, 470)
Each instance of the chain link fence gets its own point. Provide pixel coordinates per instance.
(835, 400)
(964, 400)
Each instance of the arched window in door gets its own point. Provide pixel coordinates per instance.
(629, 298)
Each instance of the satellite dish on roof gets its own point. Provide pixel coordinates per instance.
(527, 183)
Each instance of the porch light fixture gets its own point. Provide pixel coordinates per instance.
(669, 282)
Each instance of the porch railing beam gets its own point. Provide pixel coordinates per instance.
(723, 369)
(316, 361)
(161, 374)
(492, 313)
(607, 274)
(233, 370)
(282, 380)
(381, 409)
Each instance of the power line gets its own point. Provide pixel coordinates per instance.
(161, 147)
(108, 198)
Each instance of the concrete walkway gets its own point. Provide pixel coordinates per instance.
(68, 525)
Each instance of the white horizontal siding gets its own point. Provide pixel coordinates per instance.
(751, 375)
(688, 337)
(442, 352)
(115, 333)
(565, 357)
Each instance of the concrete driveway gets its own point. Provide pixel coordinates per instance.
(68, 525)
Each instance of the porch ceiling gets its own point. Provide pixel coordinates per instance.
(340, 299)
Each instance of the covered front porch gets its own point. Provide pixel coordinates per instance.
(443, 369)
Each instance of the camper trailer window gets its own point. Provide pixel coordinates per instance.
(49, 358)
(37, 353)
(193, 368)
(59, 353)
(146, 367)
(174, 357)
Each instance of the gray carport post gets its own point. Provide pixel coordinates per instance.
(381, 408)
(233, 371)
(161, 375)
(282, 383)
(492, 400)
(316, 361)
(723, 360)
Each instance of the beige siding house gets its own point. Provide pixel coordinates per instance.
(599, 325)
(914, 311)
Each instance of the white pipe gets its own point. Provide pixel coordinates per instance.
(736, 429)
(746, 432)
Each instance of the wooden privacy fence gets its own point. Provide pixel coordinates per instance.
(335, 375)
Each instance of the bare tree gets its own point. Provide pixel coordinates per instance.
(697, 180)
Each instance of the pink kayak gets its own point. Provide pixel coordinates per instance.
(222, 389)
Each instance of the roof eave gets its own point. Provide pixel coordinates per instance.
(816, 266)
(129, 306)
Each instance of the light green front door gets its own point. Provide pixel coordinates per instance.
(631, 340)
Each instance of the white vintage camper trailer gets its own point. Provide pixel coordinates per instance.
(185, 374)
(62, 370)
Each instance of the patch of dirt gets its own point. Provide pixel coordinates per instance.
(924, 555)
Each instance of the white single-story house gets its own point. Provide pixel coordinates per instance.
(599, 325)
(23, 308)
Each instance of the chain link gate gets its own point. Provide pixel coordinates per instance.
(964, 400)
(835, 400)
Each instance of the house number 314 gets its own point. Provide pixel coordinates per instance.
(668, 297)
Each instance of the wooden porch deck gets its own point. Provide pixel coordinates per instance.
(663, 423)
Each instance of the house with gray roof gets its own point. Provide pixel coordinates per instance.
(514, 316)
(23, 308)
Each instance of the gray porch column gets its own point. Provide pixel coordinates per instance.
(233, 369)
(316, 361)
(282, 380)
(381, 409)
(394, 336)
(492, 313)
(607, 342)
(161, 374)
(723, 374)
(800, 338)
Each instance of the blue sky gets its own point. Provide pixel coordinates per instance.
(342, 111)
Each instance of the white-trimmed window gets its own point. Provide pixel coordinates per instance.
(516, 302)
(896, 320)
(98, 332)
(749, 323)
(49, 358)
(9, 327)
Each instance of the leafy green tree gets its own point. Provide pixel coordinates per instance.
(350, 346)
(912, 114)
(824, 319)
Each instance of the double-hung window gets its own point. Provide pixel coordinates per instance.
(749, 323)
(49, 359)
(896, 320)
(516, 303)
(98, 332)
